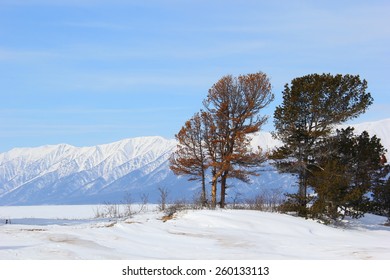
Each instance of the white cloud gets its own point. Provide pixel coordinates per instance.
(25, 55)
(98, 25)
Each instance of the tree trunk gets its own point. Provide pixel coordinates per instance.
(303, 190)
(214, 190)
(223, 189)
(213, 194)
(203, 195)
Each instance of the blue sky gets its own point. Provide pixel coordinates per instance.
(89, 72)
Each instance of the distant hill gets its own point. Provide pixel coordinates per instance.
(64, 174)
(379, 128)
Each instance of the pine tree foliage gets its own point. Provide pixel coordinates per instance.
(312, 106)
(348, 167)
(381, 193)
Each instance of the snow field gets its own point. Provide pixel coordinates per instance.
(191, 234)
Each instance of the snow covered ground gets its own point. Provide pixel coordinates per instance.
(72, 232)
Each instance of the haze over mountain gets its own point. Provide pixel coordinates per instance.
(64, 174)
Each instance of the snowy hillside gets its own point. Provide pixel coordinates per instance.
(48, 232)
(379, 128)
(64, 174)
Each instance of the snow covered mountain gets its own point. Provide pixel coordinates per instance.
(379, 128)
(67, 174)
(64, 174)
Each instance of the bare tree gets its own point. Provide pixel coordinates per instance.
(218, 139)
(235, 105)
(190, 156)
(163, 192)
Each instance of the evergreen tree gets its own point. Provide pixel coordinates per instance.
(381, 194)
(348, 166)
(311, 107)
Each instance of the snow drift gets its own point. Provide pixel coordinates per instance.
(202, 234)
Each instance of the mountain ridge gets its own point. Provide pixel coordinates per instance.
(59, 174)
(80, 168)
